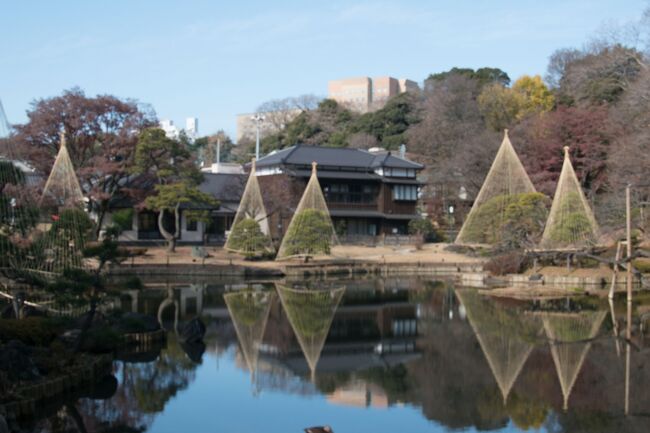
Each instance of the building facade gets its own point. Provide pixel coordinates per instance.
(363, 94)
(141, 226)
(367, 193)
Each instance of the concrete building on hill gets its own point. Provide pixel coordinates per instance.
(363, 94)
(274, 121)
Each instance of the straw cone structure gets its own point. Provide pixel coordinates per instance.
(310, 314)
(311, 230)
(18, 215)
(249, 312)
(506, 179)
(250, 230)
(571, 222)
(64, 225)
(570, 335)
(505, 335)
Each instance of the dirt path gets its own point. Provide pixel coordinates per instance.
(430, 253)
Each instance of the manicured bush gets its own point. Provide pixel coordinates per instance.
(33, 331)
(509, 220)
(310, 233)
(247, 237)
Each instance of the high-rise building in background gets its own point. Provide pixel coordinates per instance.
(365, 94)
(192, 128)
(4, 124)
(173, 131)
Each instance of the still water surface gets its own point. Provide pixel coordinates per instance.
(373, 356)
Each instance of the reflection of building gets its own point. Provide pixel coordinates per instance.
(366, 94)
(367, 193)
(378, 330)
(359, 394)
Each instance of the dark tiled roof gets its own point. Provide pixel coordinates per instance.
(326, 174)
(224, 186)
(335, 157)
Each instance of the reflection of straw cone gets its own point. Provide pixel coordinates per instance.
(249, 312)
(495, 328)
(570, 335)
(310, 314)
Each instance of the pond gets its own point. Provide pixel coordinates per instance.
(389, 355)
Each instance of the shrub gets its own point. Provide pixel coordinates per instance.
(574, 225)
(310, 233)
(509, 220)
(425, 228)
(642, 265)
(123, 218)
(247, 237)
(509, 263)
(33, 331)
(101, 339)
(133, 282)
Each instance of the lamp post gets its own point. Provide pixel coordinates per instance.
(257, 118)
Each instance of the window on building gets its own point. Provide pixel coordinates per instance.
(405, 192)
(405, 327)
(350, 193)
(191, 225)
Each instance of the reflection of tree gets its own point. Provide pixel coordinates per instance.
(144, 390)
(250, 312)
(310, 313)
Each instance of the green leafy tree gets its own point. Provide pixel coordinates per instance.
(500, 106)
(483, 76)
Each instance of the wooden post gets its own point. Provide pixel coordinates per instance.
(628, 223)
(628, 358)
(628, 333)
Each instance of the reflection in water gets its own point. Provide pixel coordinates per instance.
(310, 313)
(506, 335)
(570, 336)
(391, 355)
(249, 311)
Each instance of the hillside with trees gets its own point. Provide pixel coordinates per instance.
(594, 99)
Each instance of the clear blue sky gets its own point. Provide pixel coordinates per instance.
(214, 59)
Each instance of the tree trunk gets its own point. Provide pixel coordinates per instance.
(101, 214)
(88, 322)
(170, 238)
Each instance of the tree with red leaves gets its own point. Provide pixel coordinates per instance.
(101, 133)
(587, 131)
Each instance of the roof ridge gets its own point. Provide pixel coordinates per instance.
(295, 146)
